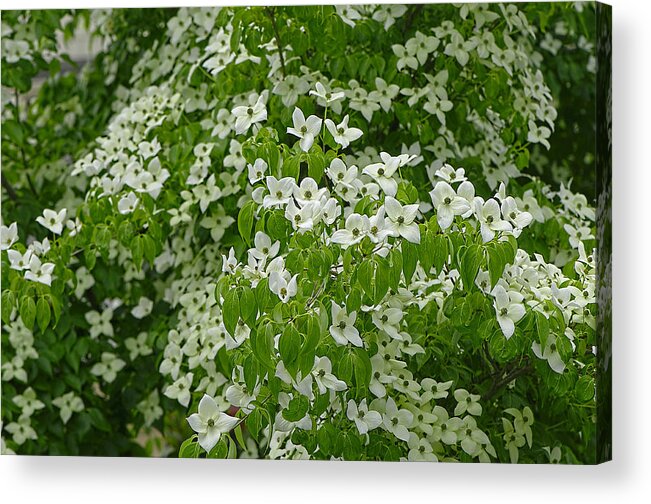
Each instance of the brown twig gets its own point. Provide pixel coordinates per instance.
(9, 188)
(516, 373)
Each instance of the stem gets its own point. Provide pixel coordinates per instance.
(506, 380)
(22, 151)
(270, 12)
(9, 188)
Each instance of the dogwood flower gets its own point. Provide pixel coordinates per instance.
(420, 449)
(400, 219)
(549, 353)
(290, 88)
(447, 204)
(450, 175)
(246, 116)
(342, 134)
(305, 129)
(143, 308)
(52, 220)
(365, 419)
(397, 421)
(100, 323)
(343, 328)
(323, 94)
(210, 423)
(138, 346)
(8, 236)
(509, 309)
(180, 389)
(108, 367)
(263, 247)
(21, 430)
(257, 170)
(490, 218)
(388, 320)
(28, 402)
(513, 440)
(539, 134)
(302, 218)
(128, 203)
(356, 228)
(325, 380)
(467, 402)
(39, 272)
(283, 286)
(68, 404)
(19, 261)
(512, 214)
(280, 191)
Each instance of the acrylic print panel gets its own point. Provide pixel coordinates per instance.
(338, 233)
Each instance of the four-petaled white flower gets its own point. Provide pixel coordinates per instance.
(257, 170)
(365, 419)
(282, 285)
(343, 328)
(8, 236)
(400, 219)
(128, 203)
(342, 134)
(467, 402)
(280, 191)
(383, 173)
(39, 272)
(210, 423)
(326, 96)
(550, 353)
(305, 129)
(247, 115)
(108, 367)
(397, 421)
(490, 218)
(52, 220)
(509, 309)
(180, 389)
(447, 204)
(356, 228)
(68, 404)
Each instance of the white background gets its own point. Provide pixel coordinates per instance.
(626, 479)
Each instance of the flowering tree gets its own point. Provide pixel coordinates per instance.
(314, 232)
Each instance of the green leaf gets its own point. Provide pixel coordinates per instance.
(231, 311)
(98, 419)
(137, 251)
(149, 248)
(296, 409)
(469, 267)
(584, 390)
(440, 252)
(8, 305)
(542, 328)
(245, 221)
(381, 279)
(248, 306)
(289, 344)
(42, 313)
(262, 344)
(28, 311)
(365, 272)
(316, 165)
(496, 262)
(190, 448)
(409, 259)
(292, 167)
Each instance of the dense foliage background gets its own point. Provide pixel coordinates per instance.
(151, 264)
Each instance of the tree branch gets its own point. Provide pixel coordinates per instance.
(9, 188)
(516, 373)
(270, 12)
